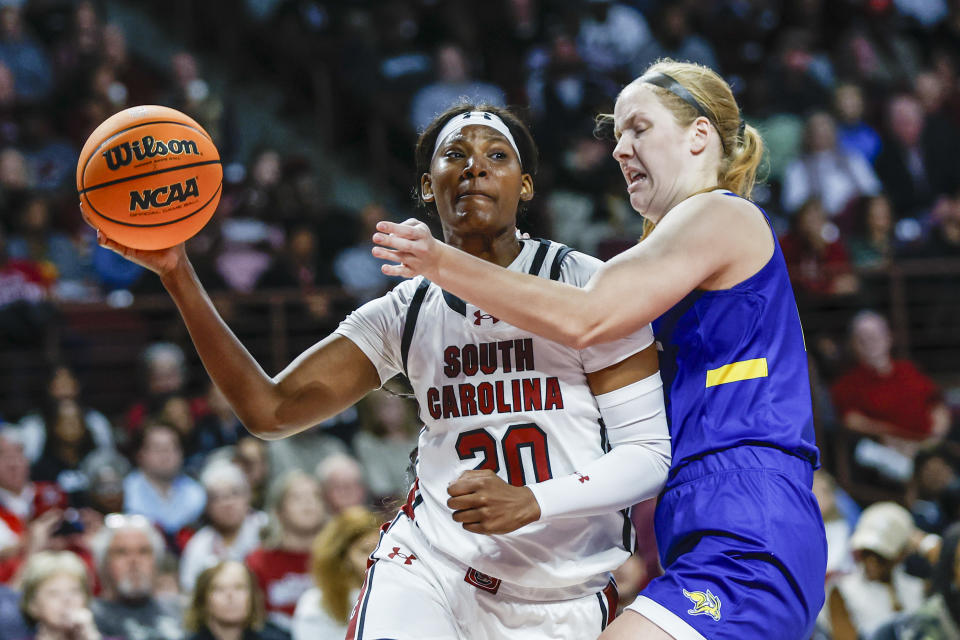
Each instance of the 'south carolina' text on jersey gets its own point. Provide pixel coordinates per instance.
(499, 396)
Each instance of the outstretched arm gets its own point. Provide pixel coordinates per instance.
(690, 246)
(323, 381)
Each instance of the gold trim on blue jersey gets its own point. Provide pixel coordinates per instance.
(737, 371)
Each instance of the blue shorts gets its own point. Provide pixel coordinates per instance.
(743, 548)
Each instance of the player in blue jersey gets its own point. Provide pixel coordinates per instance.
(740, 535)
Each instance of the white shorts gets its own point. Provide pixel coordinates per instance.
(413, 592)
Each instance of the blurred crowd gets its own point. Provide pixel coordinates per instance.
(166, 520)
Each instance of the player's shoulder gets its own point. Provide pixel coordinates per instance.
(405, 291)
(566, 264)
(716, 221)
(719, 207)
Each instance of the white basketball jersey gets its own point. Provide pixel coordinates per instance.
(492, 396)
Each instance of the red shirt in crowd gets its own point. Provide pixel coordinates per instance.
(904, 397)
(283, 577)
(812, 271)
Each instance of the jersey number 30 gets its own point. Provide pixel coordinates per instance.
(472, 444)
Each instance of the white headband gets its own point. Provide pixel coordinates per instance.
(482, 118)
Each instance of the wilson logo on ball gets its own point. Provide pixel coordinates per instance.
(163, 196)
(123, 154)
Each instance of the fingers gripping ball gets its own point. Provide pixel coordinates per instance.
(149, 177)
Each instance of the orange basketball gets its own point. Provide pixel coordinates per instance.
(149, 177)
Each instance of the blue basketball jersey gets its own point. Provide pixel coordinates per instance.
(734, 368)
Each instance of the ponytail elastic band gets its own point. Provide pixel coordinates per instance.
(664, 81)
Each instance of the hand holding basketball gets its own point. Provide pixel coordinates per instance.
(149, 177)
(160, 261)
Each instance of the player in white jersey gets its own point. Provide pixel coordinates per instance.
(530, 450)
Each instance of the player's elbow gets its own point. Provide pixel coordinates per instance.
(587, 332)
(264, 428)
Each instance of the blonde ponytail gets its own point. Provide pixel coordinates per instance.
(739, 172)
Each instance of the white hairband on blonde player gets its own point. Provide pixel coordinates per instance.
(482, 118)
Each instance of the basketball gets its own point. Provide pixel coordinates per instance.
(149, 177)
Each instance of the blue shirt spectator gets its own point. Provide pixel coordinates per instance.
(454, 83)
(158, 488)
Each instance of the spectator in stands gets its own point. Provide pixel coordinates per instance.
(233, 528)
(194, 95)
(9, 117)
(860, 602)
(307, 449)
(935, 292)
(939, 617)
(916, 164)
(338, 563)
(12, 624)
(816, 256)
(799, 75)
(886, 398)
(30, 512)
(40, 242)
(853, 132)
(875, 53)
(356, 268)
(177, 411)
(68, 442)
(676, 38)
(24, 55)
(872, 244)
(164, 375)
(614, 38)
(62, 385)
(838, 527)
(944, 238)
(281, 564)
(454, 81)
(56, 597)
(128, 550)
(826, 170)
(52, 159)
(158, 488)
(385, 443)
(219, 425)
(299, 266)
(341, 483)
(228, 605)
(105, 469)
(250, 454)
(24, 293)
(252, 236)
(934, 492)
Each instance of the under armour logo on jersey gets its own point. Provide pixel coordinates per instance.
(407, 559)
(582, 477)
(483, 316)
(704, 604)
(482, 580)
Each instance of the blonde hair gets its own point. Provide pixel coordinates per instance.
(329, 559)
(45, 565)
(742, 152)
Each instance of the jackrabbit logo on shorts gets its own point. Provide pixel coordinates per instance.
(704, 604)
